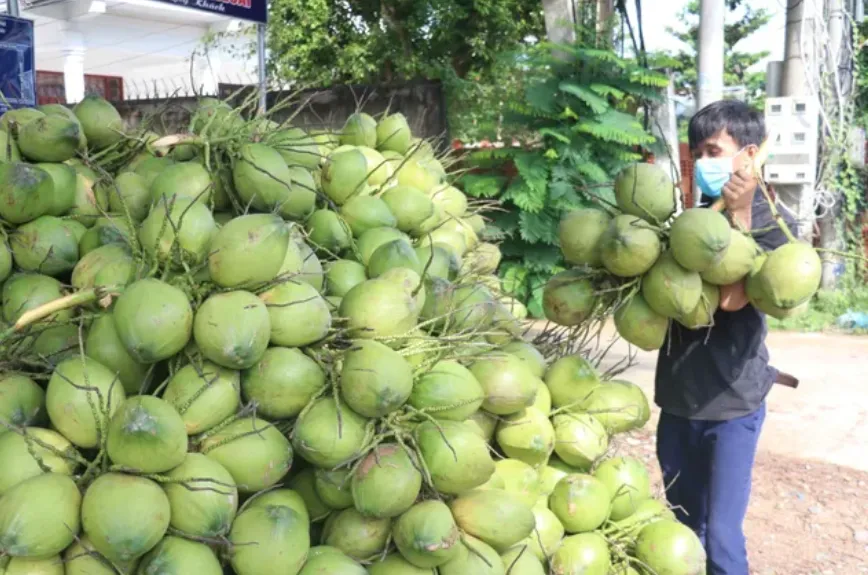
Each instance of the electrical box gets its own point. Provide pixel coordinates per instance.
(793, 124)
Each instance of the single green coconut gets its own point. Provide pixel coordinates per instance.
(24, 292)
(483, 259)
(100, 121)
(285, 497)
(282, 382)
(379, 170)
(329, 232)
(410, 206)
(311, 268)
(189, 179)
(298, 313)
(395, 564)
(737, 262)
(26, 192)
(547, 535)
(373, 239)
(147, 435)
(360, 129)
(585, 554)
(526, 352)
(5, 259)
(521, 561)
(130, 192)
(39, 517)
(64, 180)
(790, 275)
(447, 391)
(81, 558)
(394, 254)
(640, 325)
(670, 548)
(265, 182)
(269, 539)
(474, 556)
(357, 535)
(248, 250)
(543, 400)
(342, 276)
(527, 436)
(153, 319)
(380, 308)
(296, 147)
(580, 439)
(699, 238)
(19, 116)
(570, 381)
(253, 451)
(175, 555)
(105, 231)
(33, 451)
(495, 516)
(386, 483)
(581, 502)
(517, 478)
(138, 519)
(646, 191)
(202, 497)
(419, 174)
(324, 559)
(178, 225)
(393, 133)
(647, 512)
(627, 480)
(449, 200)
(669, 289)
(91, 200)
(321, 440)
(46, 245)
(629, 246)
(508, 383)
(77, 386)
(569, 298)
(333, 487)
(344, 175)
(703, 314)
(375, 379)
(620, 406)
(580, 232)
(22, 402)
(232, 329)
(364, 213)
(459, 308)
(52, 565)
(204, 395)
(426, 535)
(49, 139)
(151, 168)
(457, 458)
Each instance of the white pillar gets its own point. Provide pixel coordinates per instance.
(560, 20)
(709, 87)
(74, 50)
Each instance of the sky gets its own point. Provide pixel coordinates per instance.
(665, 12)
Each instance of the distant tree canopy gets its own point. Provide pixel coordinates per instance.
(736, 63)
(324, 42)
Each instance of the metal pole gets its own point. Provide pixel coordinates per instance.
(711, 49)
(263, 80)
(12, 8)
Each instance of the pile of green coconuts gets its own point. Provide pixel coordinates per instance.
(256, 349)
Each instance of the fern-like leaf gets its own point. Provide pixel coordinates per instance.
(597, 104)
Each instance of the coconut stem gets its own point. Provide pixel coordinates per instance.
(66, 302)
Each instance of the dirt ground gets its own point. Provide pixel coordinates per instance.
(809, 507)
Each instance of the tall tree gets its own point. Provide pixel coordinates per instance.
(743, 22)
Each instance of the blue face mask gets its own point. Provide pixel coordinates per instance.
(712, 174)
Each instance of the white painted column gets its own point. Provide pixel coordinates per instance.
(74, 51)
(711, 52)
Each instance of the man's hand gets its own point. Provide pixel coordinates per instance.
(738, 194)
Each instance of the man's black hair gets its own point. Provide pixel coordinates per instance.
(744, 123)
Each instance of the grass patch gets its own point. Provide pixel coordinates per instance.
(824, 312)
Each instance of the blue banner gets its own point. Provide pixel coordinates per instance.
(253, 10)
(17, 66)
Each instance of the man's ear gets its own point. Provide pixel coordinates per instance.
(744, 159)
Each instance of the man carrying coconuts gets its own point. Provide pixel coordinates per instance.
(711, 384)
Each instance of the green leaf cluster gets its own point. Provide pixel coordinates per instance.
(579, 114)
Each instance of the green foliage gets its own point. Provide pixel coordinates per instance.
(737, 62)
(326, 42)
(579, 116)
(825, 310)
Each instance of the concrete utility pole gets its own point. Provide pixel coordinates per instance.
(605, 10)
(712, 15)
(799, 65)
(12, 8)
(560, 18)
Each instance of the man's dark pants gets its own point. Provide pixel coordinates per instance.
(707, 469)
